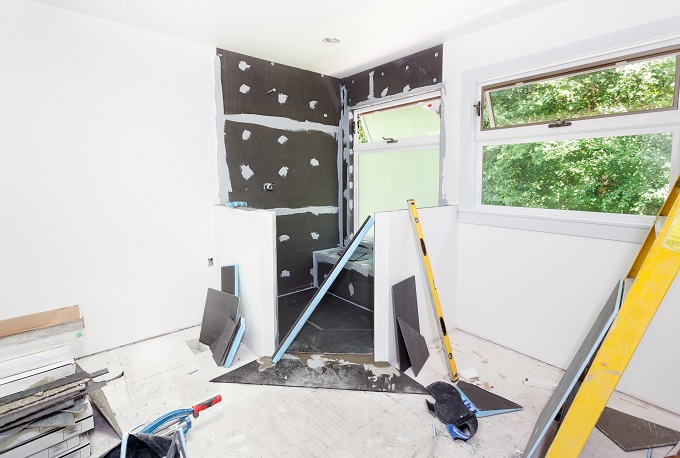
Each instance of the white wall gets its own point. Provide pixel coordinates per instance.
(535, 292)
(397, 258)
(107, 173)
(247, 237)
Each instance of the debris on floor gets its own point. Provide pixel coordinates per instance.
(342, 372)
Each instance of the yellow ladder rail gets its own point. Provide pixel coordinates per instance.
(434, 295)
(654, 270)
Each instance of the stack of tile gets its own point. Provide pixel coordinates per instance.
(38, 346)
(43, 406)
(49, 420)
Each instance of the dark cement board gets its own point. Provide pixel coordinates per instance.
(576, 367)
(633, 433)
(229, 277)
(219, 308)
(405, 303)
(416, 346)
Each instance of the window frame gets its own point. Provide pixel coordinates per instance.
(372, 147)
(630, 228)
(581, 70)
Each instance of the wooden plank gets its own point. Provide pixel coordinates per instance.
(654, 277)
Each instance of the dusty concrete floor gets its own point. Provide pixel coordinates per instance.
(163, 373)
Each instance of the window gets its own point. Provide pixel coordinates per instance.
(597, 142)
(397, 156)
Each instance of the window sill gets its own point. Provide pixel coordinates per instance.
(598, 229)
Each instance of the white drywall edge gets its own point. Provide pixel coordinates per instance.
(247, 237)
(396, 259)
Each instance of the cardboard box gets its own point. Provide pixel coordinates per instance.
(39, 320)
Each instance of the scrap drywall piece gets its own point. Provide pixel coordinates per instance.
(576, 367)
(229, 276)
(220, 347)
(486, 402)
(416, 346)
(219, 307)
(304, 316)
(632, 433)
(342, 372)
(405, 302)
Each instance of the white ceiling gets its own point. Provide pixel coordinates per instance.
(290, 32)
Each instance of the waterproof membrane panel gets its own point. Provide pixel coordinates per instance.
(633, 433)
(416, 347)
(219, 307)
(576, 368)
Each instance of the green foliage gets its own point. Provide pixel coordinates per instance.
(625, 174)
(627, 88)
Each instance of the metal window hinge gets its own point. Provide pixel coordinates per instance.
(560, 123)
(478, 107)
(390, 140)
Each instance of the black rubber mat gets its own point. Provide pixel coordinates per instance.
(633, 433)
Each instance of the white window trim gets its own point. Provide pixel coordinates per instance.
(413, 144)
(629, 228)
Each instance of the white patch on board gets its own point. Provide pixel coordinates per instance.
(351, 204)
(407, 88)
(246, 171)
(314, 162)
(283, 238)
(244, 89)
(283, 171)
(351, 289)
(283, 139)
(384, 92)
(313, 104)
(243, 65)
(350, 169)
(351, 185)
(246, 134)
(282, 98)
(315, 235)
(285, 273)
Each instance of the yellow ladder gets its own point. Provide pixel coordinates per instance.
(434, 296)
(653, 272)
